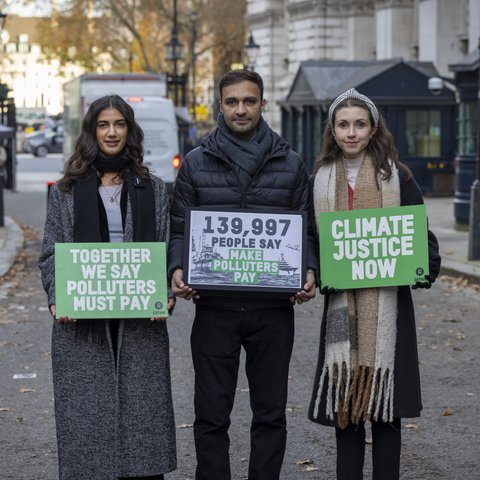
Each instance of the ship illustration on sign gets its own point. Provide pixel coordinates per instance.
(202, 259)
(284, 266)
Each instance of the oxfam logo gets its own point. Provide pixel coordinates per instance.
(158, 305)
(419, 271)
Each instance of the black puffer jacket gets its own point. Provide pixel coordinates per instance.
(207, 179)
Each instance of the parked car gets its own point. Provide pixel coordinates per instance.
(42, 142)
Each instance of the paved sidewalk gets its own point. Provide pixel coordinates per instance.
(453, 242)
(11, 241)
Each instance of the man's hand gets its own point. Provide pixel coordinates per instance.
(308, 291)
(179, 288)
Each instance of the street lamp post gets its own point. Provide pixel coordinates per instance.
(251, 52)
(474, 229)
(3, 153)
(194, 18)
(130, 61)
(174, 53)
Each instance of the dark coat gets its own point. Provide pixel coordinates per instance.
(114, 417)
(407, 401)
(207, 179)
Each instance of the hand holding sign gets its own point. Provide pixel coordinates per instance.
(326, 290)
(53, 311)
(427, 283)
(308, 291)
(180, 289)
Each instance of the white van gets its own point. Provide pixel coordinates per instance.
(155, 114)
(157, 118)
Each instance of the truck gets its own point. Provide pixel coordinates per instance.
(146, 94)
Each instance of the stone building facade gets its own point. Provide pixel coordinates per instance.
(291, 31)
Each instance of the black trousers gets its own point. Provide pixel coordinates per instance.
(216, 340)
(385, 451)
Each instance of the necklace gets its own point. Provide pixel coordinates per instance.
(111, 198)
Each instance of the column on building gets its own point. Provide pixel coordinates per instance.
(442, 32)
(473, 24)
(266, 20)
(360, 30)
(292, 31)
(395, 29)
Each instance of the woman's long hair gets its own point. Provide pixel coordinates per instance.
(380, 148)
(86, 147)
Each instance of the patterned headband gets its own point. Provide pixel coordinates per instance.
(352, 93)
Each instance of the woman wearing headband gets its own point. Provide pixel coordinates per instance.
(368, 362)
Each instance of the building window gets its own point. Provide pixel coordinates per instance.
(467, 128)
(423, 133)
(287, 125)
(317, 132)
(299, 132)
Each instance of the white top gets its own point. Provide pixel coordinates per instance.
(352, 165)
(111, 201)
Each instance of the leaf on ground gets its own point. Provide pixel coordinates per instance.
(185, 425)
(307, 461)
(4, 409)
(411, 426)
(28, 390)
(447, 412)
(311, 469)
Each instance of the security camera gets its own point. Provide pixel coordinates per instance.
(435, 85)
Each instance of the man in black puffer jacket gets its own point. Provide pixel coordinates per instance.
(243, 164)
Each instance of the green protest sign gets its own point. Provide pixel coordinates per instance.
(373, 248)
(111, 280)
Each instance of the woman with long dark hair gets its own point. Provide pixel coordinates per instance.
(368, 362)
(113, 403)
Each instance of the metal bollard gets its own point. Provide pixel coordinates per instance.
(3, 160)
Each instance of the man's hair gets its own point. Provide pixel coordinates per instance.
(237, 76)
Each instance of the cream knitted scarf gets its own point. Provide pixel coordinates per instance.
(360, 324)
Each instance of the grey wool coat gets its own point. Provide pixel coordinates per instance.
(114, 416)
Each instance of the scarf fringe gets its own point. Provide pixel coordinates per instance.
(369, 395)
(336, 356)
